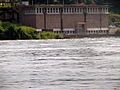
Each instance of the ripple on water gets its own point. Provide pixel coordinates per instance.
(68, 64)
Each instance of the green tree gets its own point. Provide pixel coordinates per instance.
(11, 32)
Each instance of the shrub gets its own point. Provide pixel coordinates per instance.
(118, 32)
(1, 32)
(115, 19)
(1, 29)
(27, 32)
(13, 31)
(49, 35)
(5, 25)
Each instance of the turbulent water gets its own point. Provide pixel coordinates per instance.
(73, 64)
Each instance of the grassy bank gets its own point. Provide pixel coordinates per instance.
(11, 31)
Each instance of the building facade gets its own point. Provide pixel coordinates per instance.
(69, 19)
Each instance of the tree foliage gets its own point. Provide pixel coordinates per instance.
(50, 35)
(10, 31)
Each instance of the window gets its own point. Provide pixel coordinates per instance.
(91, 10)
(67, 10)
(47, 10)
(40, 10)
(53, 10)
(64, 10)
(106, 10)
(103, 9)
(80, 10)
(37, 10)
(88, 10)
(70, 10)
(95, 9)
(77, 10)
(57, 10)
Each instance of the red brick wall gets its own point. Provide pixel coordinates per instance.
(93, 21)
(40, 21)
(53, 21)
(29, 20)
(69, 20)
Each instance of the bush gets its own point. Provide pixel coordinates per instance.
(1, 29)
(5, 25)
(115, 19)
(27, 32)
(1, 32)
(49, 35)
(117, 32)
(11, 31)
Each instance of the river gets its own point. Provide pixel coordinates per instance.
(66, 64)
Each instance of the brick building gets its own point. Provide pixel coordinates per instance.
(70, 19)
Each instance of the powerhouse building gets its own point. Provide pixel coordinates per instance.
(69, 19)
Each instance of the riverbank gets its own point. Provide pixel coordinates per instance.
(12, 31)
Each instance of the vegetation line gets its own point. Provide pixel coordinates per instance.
(11, 31)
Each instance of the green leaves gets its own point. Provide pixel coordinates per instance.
(115, 19)
(12, 31)
(49, 35)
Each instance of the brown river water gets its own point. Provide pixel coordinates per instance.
(66, 64)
